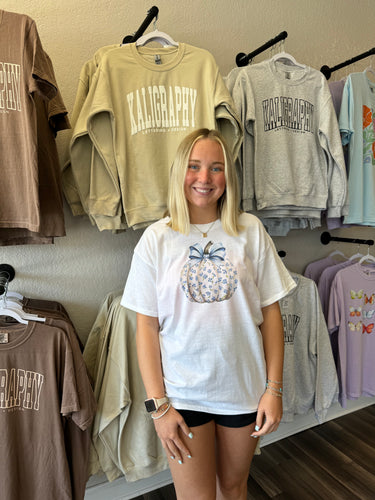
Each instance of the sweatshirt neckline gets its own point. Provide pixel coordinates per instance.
(140, 53)
(286, 74)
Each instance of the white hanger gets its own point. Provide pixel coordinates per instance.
(370, 73)
(15, 295)
(157, 36)
(15, 305)
(17, 313)
(287, 59)
(10, 305)
(13, 313)
(367, 257)
(337, 252)
(357, 255)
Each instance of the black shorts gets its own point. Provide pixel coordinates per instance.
(195, 418)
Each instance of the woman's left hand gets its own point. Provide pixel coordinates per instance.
(270, 411)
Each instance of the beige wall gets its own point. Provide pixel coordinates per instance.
(80, 269)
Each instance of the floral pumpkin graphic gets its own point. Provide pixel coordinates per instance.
(208, 276)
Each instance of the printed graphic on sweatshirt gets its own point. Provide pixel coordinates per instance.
(160, 108)
(20, 389)
(368, 136)
(296, 115)
(290, 323)
(10, 90)
(208, 276)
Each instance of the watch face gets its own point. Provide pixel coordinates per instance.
(150, 405)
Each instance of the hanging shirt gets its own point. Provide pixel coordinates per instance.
(77, 430)
(51, 118)
(143, 101)
(325, 283)
(298, 159)
(122, 423)
(123, 438)
(38, 387)
(310, 378)
(352, 313)
(315, 269)
(357, 125)
(336, 89)
(84, 83)
(24, 70)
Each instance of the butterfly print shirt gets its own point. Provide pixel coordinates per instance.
(352, 314)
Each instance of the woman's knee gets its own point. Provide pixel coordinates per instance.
(232, 488)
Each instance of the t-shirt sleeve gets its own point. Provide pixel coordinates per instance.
(69, 393)
(140, 289)
(334, 308)
(41, 78)
(345, 117)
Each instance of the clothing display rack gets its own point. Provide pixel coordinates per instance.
(243, 60)
(151, 14)
(327, 71)
(7, 273)
(326, 237)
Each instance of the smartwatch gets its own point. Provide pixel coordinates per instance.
(154, 404)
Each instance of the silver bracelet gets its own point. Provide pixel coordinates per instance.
(162, 414)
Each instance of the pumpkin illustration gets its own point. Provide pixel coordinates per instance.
(208, 276)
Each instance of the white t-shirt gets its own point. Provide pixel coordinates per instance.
(207, 294)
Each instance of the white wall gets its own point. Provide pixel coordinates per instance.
(81, 268)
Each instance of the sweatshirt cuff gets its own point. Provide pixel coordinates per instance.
(336, 212)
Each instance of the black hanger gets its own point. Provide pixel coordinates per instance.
(151, 14)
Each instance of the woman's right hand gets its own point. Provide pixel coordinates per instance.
(168, 428)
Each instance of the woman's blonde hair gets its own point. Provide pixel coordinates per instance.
(228, 204)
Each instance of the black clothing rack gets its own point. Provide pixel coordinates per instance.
(151, 14)
(243, 59)
(326, 237)
(7, 273)
(328, 71)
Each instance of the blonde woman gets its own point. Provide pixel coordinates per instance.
(205, 282)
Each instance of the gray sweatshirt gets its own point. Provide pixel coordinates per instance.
(310, 376)
(292, 155)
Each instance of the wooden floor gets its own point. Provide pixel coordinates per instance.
(333, 461)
